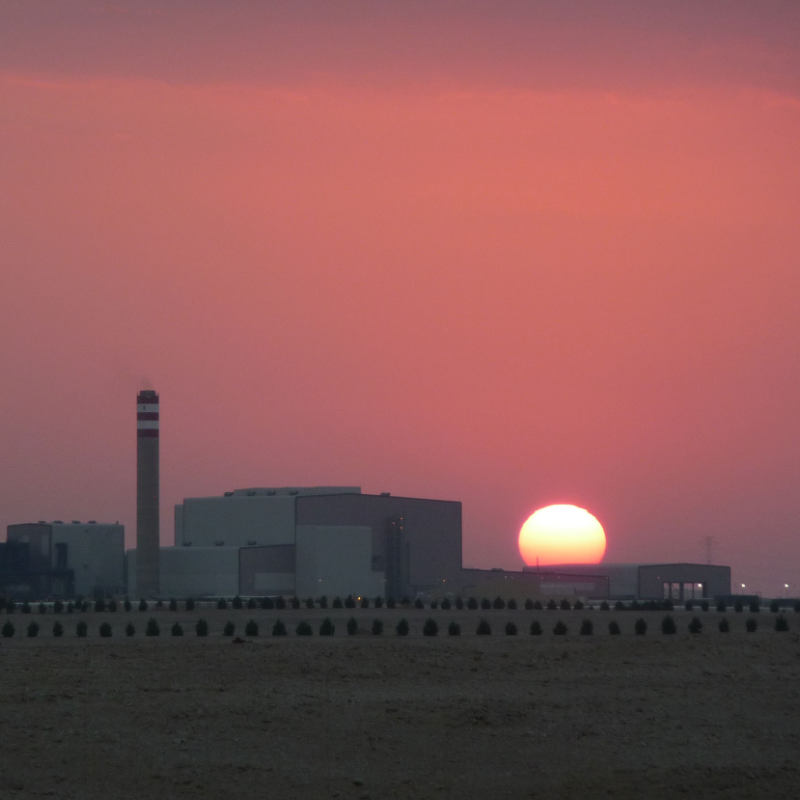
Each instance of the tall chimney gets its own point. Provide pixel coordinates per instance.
(147, 499)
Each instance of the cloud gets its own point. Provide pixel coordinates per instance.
(626, 45)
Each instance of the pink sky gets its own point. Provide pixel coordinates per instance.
(505, 253)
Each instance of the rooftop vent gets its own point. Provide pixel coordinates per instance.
(228, 494)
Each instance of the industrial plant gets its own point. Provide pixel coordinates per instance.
(301, 541)
(63, 559)
(309, 541)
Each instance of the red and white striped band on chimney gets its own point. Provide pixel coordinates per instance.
(147, 420)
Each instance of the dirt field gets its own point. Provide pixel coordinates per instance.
(707, 715)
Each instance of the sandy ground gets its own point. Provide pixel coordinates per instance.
(707, 715)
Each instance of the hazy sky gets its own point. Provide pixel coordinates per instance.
(509, 253)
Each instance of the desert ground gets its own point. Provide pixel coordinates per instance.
(630, 716)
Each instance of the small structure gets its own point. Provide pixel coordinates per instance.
(677, 582)
(526, 584)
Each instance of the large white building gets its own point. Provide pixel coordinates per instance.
(310, 541)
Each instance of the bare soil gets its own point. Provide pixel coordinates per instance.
(707, 715)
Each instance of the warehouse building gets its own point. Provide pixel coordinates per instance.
(310, 541)
(677, 582)
(525, 584)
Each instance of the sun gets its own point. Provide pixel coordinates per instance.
(562, 534)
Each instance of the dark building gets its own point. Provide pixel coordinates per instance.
(147, 494)
(62, 559)
(682, 582)
(676, 582)
(524, 584)
(25, 574)
(26, 568)
(416, 542)
(313, 541)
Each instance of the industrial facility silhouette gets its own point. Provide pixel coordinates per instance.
(303, 541)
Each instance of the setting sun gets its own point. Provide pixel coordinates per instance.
(562, 534)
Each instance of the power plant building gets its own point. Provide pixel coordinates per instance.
(311, 541)
(58, 559)
(302, 541)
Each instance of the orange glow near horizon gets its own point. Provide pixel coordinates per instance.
(562, 534)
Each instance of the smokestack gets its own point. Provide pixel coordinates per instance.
(147, 494)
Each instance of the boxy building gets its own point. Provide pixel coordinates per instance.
(58, 559)
(525, 584)
(311, 541)
(678, 582)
